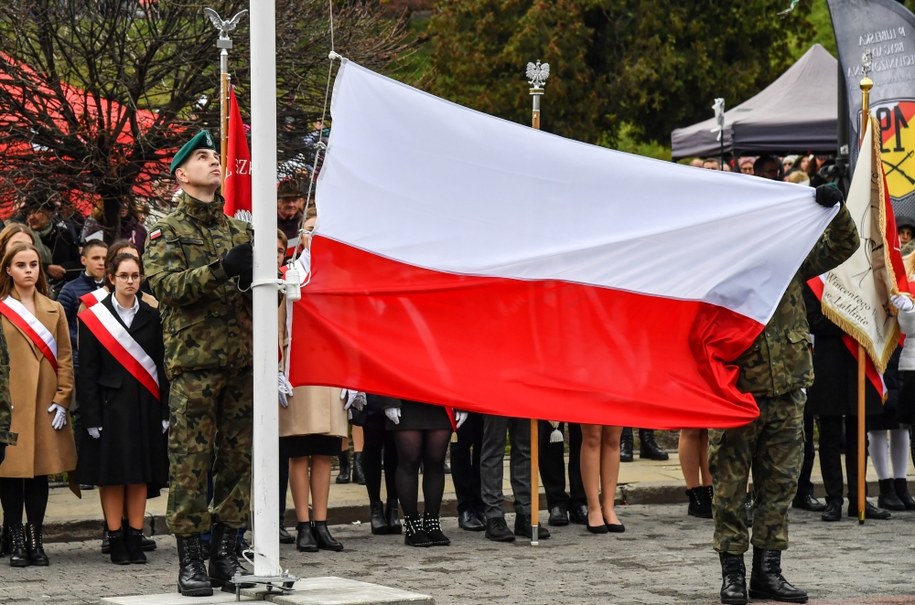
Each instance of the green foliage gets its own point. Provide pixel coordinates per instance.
(654, 66)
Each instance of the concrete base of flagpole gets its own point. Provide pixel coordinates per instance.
(311, 591)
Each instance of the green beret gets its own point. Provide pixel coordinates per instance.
(201, 140)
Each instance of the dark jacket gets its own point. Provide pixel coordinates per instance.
(132, 447)
(69, 299)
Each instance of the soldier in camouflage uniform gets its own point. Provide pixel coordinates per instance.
(6, 418)
(199, 265)
(775, 369)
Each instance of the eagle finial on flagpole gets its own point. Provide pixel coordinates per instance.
(224, 25)
(537, 73)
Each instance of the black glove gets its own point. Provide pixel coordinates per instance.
(2, 452)
(239, 262)
(829, 195)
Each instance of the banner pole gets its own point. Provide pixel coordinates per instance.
(537, 75)
(866, 85)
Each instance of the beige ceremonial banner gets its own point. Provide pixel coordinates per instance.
(856, 293)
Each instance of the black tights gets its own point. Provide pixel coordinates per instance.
(30, 493)
(429, 448)
(375, 440)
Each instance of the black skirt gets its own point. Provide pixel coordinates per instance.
(415, 416)
(297, 446)
(905, 403)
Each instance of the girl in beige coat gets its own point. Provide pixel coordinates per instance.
(40, 396)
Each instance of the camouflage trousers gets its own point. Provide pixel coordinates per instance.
(771, 447)
(211, 429)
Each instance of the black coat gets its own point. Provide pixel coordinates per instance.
(835, 385)
(132, 447)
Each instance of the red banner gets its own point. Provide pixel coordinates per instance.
(237, 187)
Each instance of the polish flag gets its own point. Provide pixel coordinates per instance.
(236, 189)
(464, 260)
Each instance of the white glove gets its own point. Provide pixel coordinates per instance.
(94, 431)
(902, 302)
(59, 420)
(393, 415)
(354, 399)
(460, 418)
(285, 389)
(165, 425)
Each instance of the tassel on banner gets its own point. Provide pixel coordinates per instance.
(556, 436)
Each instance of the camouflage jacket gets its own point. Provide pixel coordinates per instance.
(6, 406)
(206, 320)
(779, 360)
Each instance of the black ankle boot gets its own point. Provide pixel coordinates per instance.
(323, 538)
(413, 531)
(358, 474)
(192, 574)
(35, 545)
(700, 502)
(19, 555)
(888, 498)
(432, 527)
(392, 516)
(626, 445)
(134, 541)
(733, 579)
(767, 582)
(223, 561)
(117, 546)
(649, 448)
(379, 523)
(902, 491)
(343, 475)
(305, 538)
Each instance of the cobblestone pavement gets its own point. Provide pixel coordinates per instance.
(664, 557)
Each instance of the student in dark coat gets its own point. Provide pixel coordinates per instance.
(125, 411)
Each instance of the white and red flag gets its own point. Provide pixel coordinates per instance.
(236, 189)
(855, 295)
(465, 260)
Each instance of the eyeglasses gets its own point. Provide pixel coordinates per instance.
(128, 276)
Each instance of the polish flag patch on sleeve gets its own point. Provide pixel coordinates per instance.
(155, 234)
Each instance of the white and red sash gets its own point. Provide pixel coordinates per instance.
(90, 298)
(29, 325)
(123, 347)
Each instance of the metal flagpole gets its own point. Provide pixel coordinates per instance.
(223, 43)
(866, 85)
(536, 75)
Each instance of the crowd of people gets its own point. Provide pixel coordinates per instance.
(133, 373)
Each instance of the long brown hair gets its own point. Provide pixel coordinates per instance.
(6, 280)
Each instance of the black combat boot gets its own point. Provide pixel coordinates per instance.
(413, 531)
(323, 538)
(358, 474)
(902, 490)
(343, 475)
(134, 541)
(35, 546)
(626, 445)
(305, 538)
(379, 523)
(767, 581)
(700, 502)
(433, 528)
(649, 448)
(192, 574)
(392, 516)
(733, 579)
(888, 498)
(19, 555)
(223, 562)
(117, 546)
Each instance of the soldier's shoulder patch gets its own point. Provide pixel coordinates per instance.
(155, 234)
